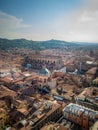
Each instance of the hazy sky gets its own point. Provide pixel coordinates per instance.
(69, 20)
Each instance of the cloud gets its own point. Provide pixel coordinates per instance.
(11, 22)
(81, 24)
(92, 4)
(10, 26)
(86, 25)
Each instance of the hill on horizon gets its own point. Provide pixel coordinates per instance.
(35, 45)
(40, 45)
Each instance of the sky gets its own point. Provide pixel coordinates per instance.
(68, 20)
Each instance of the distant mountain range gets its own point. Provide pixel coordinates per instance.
(37, 45)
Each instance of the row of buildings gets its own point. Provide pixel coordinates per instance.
(34, 102)
(37, 62)
(81, 115)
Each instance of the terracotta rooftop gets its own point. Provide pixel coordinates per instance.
(4, 91)
(54, 126)
(95, 127)
(92, 71)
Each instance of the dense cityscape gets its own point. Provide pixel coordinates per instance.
(48, 89)
(48, 64)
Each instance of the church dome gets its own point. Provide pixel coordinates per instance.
(45, 71)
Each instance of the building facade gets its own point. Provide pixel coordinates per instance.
(51, 62)
(80, 115)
